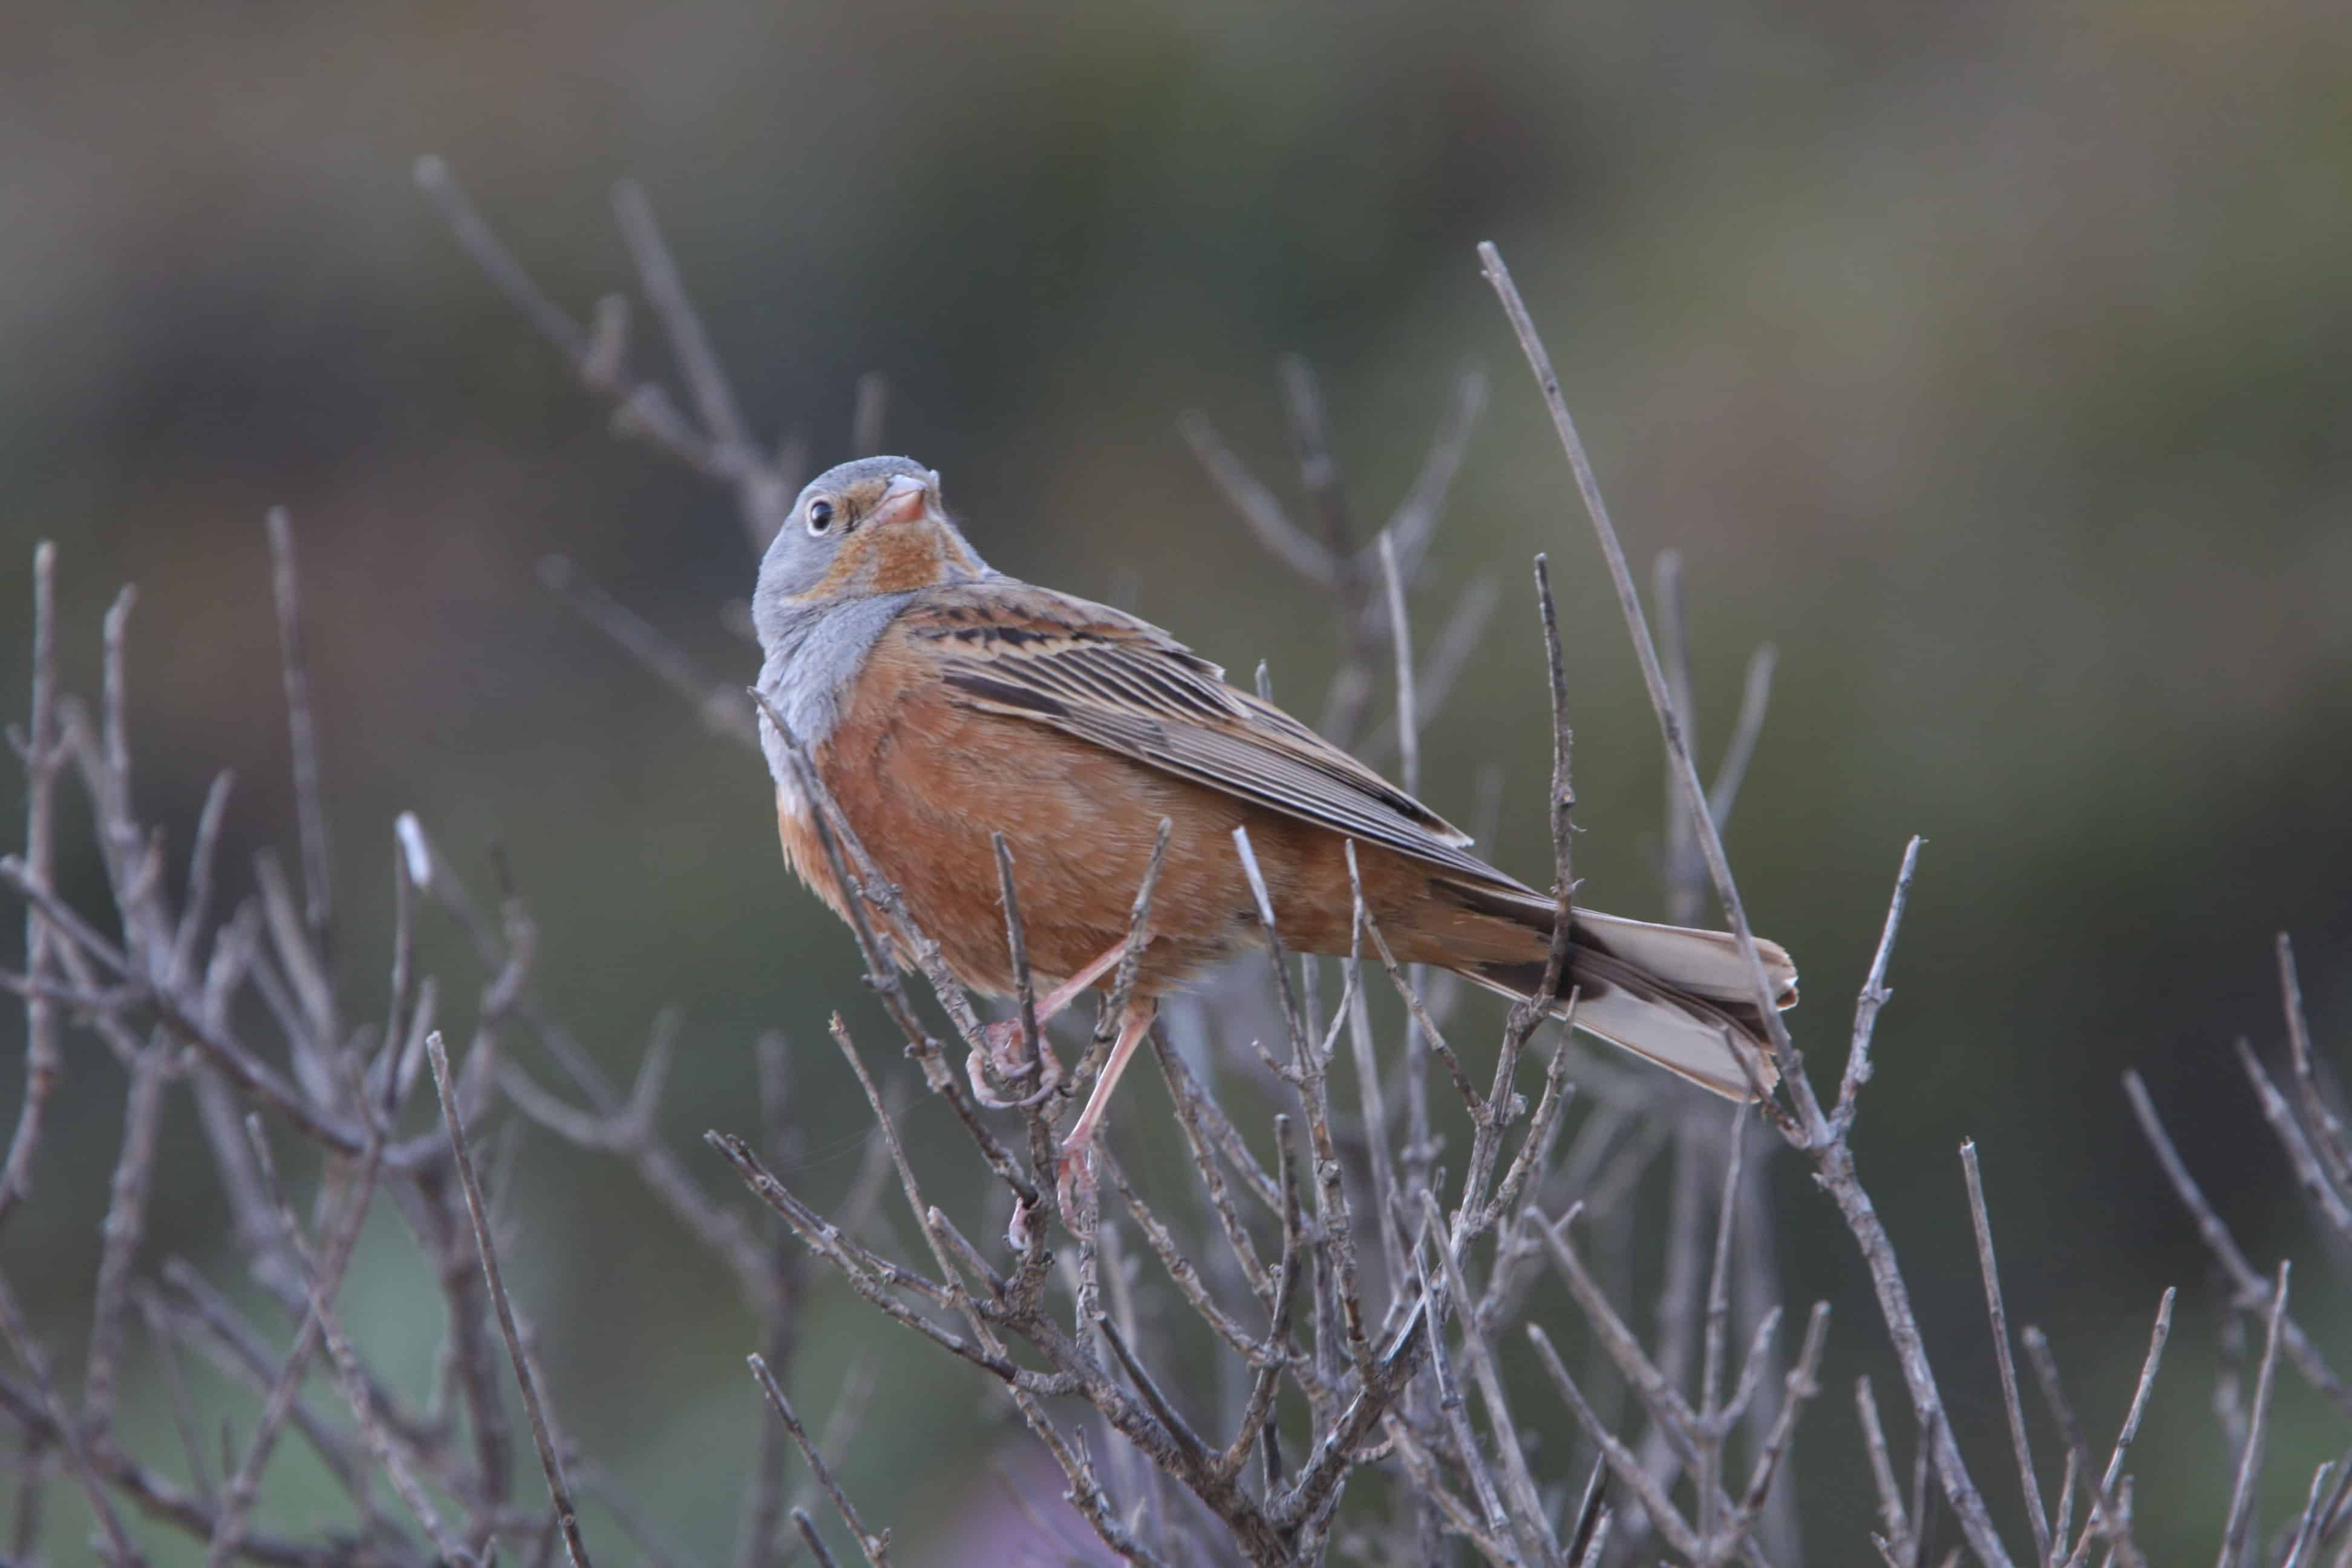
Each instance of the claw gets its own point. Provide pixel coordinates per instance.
(977, 1069)
(1074, 1181)
(1003, 1061)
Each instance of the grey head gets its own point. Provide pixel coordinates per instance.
(862, 540)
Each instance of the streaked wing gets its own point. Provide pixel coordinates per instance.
(1123, 684)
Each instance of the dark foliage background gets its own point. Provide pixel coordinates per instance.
(1996, 363)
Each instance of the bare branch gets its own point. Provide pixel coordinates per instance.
(67, 1432)
(2326, 1126)
(1899, 1547)
(1802, 1387)
(1414, 524)
(1563, 806)
(43, 1062)
(2313, 1516)
(1754, 698)
(1875, 992)
(2114, 1476)
(2310, 1173)
(1408, 712)
(1526, 1517)
(714, 399)
(1331, 1208)
(1256, 506)
(550, 1463)
(647, 409)
(1714, 1423)
(325, 1279)
(877, 1548)
(301, 731)
(2241, 1525)
(807, 1527)
(1991, 1270)
(2247, 1291)
(1670, 726)
(1622, 1462)
(718, 704)
(2105, 1511)
(1256, 1414)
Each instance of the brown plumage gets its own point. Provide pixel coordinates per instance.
(943, 703)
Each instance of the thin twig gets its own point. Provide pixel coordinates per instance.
(2241, 1523)
(1408, 713)
(2247, 1290)
(68, 1431)
(44, 1061)
(2104, 1510)
(807, 1527)
(2114, 1475)
(1670, 727)
(1622, 1462)
(320, 1282)
(718, 704)
(567, 1514)
(1754, 698)
(302, 730)
(1718, 1319)
(2328, 1128)
(1256, 506)
(325, 1278)
(763, 492)
(1799, 1390)
(1875, 992)
(714, 399)
(1256, 1412)
(1526, 1517)
(647, 409)
(877, 1548)
(2311, 1173)
(2034, 1513)
(1331, 1207)
(125, 1225)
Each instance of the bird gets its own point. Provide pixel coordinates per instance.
(942, 703)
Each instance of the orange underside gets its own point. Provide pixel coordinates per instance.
(925, 782)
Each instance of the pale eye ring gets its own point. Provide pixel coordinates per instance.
(820, 516)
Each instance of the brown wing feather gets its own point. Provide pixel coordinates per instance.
(1105, 677)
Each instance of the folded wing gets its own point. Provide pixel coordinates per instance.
(1123, 684)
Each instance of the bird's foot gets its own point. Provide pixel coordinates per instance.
(999, 1065)
(1074, 1184)
(1022, 1229)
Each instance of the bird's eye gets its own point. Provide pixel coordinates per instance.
(820, 516)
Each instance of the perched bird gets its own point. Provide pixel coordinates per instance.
(942, 702)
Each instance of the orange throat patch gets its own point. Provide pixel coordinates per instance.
(896, 558)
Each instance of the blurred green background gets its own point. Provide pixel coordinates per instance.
(1994, 361)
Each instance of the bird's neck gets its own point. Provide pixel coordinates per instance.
(814, 653)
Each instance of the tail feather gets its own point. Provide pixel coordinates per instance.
(1684, 999)
(1704, 963)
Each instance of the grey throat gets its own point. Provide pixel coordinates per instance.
(812, 655)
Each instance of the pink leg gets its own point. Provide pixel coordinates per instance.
(1131, 1030)
(1077, 1166)
(1003, 1038)
(1051, 1004)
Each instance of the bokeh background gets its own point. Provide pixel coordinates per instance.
(1995, 362)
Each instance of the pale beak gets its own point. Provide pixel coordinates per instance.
(904, 499)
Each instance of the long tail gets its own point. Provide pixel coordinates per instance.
(1682, 998)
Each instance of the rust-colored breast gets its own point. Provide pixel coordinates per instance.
(804, 852)
(927, 779)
